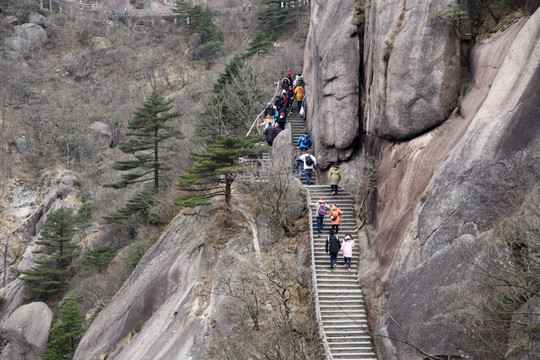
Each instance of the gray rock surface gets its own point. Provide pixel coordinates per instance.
(454, 183)
(38, 19)
(26, 332)
(27, 37)
(417, 88)
(331, 73)
(427, 303)
(169, 294)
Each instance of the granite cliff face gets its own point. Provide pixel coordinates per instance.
(331, 66)
(450, 168)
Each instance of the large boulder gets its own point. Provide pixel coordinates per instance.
(455, 182)
(27, 37)
(426, 304)
(413, 68)
(331, 73)
(26, 332)
(494, 165)
(38, 19)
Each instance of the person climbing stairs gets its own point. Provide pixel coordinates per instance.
(340, 300)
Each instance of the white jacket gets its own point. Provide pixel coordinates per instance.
(303, 158)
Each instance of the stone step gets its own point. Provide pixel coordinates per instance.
(340, 299)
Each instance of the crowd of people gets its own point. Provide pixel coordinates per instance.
(305, 162)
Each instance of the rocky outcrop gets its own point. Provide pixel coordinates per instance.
(26, 332)
(448, 189)
(412, 68)
(27, 37)
(169, 294)
(30, 214)
(331, 66)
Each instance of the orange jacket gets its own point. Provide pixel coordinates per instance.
(299, 92)
(336, 211)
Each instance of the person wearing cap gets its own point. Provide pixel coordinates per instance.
(334, 176)
(335, 217)
(269, 110)
(322, 208)
(346, 248)
(289, 76)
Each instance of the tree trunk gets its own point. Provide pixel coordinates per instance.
(228, 183)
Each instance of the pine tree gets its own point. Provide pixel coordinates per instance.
(58, 252)
(99, 258)
(66, 332)
(182, 8)
(274, 18)
(149, 129)
(214, 173)
(260, 42)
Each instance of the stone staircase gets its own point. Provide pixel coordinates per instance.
(298, 124)
(339, 300)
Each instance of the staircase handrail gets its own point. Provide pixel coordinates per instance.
(314, 282)
(262, 112)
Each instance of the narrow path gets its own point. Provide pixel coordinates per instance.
(339, 300)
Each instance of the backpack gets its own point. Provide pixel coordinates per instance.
(333, 244)
(322, 211)
(305, 141)
(309, 160)
(333, 215)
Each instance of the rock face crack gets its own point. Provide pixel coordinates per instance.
(195, 249)
(443, 223)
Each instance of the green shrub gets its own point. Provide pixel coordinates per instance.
(99, 258)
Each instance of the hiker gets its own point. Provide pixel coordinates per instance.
(309, 162)
(299, 92)
(298, 164)
(335, 217)
(282, 120)
(269, 110)
(244, 8)
(270, 134)
(346, 248)
(279, 103)
(286, 97)
(322, 209)
(334, 176)
(299, 81)
(290, 95)
(304, 142)
(267, 121)
(159, 11)
(289, 76)
(332, 246)
(285, 84)
(249, 8)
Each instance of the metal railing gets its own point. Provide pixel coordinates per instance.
(314, 282)
(257, 119)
